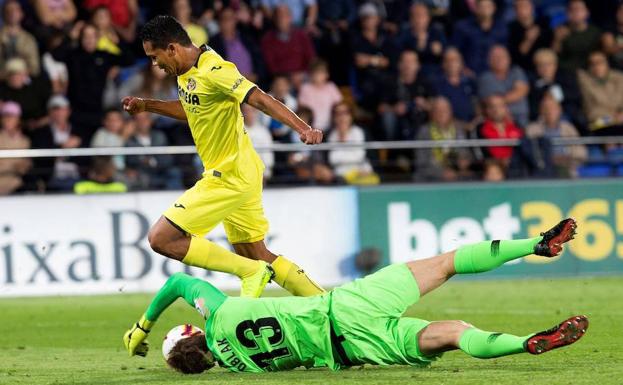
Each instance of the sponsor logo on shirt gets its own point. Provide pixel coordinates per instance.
(187, 97)
(236, 84)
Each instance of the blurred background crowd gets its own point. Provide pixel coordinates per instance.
(392, 70)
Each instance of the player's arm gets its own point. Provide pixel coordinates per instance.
(277, 110)
(178, 285)
(227, 79)
(171, 108)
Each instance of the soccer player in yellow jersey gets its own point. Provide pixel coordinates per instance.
(210, 92)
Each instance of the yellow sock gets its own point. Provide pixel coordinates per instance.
(208, 255)
(292, 278)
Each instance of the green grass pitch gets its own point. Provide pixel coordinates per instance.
(77, 340)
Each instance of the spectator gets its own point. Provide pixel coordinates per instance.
(108, 39)
(577, 38)
(441, 163)
(54, 16)
(251, 20)
(601, 93)
(101, 178)
(494, 171)
(550, 80)
(112, 134)
(287, 50)
(12, 170)
(613, 40)
(394, 13)
(550, 125)
(281, 89)
(89, 70)
(475, 36)
(151, 82)
(55, 70)
(303, 12)
(15, 41)
(260, 136)
(506, 80)
(124, 14)
(373, 53)
(526, 34)
(454, 84)
(31, 93)
(498, 124)
(182, 11)
(320, 94)
(404, 102)
(349, 164)
(310, 166)
(150, 171)
(56, 174)
(427, 39)
(334, 20)
(336, 14)
(238, 47)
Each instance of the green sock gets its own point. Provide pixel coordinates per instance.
(481, 344)
(485, 256)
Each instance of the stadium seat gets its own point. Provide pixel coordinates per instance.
(596, 154)
(595, 170)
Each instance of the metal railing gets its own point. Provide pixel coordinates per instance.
(282, 147)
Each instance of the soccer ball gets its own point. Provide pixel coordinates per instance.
(176, 334)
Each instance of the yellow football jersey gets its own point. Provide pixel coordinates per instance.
(211, 93)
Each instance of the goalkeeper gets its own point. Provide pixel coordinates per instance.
(357, 323)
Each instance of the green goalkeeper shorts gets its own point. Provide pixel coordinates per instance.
(367, 314)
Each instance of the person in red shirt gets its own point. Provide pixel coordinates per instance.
(498, 124)
(287, 50)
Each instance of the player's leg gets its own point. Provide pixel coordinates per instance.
(179, 234)
(442, 336)
(287, 274)
(484, 256)
(246, 229)
(168, 239)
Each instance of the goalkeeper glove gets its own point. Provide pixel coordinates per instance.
(134, 339)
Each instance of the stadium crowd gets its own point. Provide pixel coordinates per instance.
(359, 70)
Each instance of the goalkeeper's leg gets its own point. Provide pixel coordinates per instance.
(484, 256)
(442, 336)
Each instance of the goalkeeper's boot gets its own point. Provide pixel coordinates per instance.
(564, 334)
(253, 285)
(551, 244)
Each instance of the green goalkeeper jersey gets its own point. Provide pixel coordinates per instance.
(267, 334)
(255, 335)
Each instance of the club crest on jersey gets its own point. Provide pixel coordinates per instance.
(192, 84)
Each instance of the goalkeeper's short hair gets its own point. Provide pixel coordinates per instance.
(191, 355)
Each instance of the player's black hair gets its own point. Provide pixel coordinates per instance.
(191, 355)
(163, 30)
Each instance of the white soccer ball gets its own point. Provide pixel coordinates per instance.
(176, 334)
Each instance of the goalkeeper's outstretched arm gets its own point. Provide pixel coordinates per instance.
(196, 293)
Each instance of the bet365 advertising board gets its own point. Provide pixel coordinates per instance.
(412, 222)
